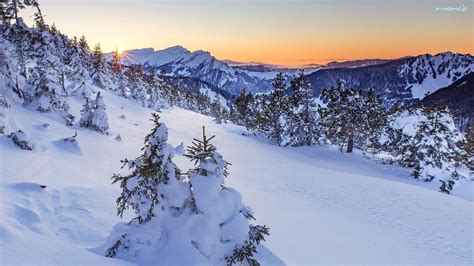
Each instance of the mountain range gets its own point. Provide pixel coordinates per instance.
(400, 81)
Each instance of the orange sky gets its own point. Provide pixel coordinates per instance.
(287, 32)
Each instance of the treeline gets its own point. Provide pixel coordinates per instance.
(420, 137)
(43, 67)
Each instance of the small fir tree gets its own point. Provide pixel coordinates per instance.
(93, 115)
(146, 190)
(207, 181)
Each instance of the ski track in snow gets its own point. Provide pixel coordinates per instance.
(322, 206)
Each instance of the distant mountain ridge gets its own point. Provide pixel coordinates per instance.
(401, 80)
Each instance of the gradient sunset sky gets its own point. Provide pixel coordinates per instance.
(296, 32)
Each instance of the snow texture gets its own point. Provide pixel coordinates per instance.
(316, 200)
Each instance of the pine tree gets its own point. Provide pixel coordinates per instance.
(353, 118)
(435, 149)
(376, 120)
(243, 110)
(93, 115)
(83, 44)
(5, 107)
(9, 10)
(207, 181)
(77, 62)
(38, 16)
(469, 145)
(99, 67)
(5, 15)
(274, 111)
(146, 190)
(303, 119)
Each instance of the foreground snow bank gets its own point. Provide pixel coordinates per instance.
(49, 226)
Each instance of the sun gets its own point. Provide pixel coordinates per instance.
(119, 51)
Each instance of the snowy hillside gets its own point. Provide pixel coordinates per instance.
(163, 161)
(316, 200)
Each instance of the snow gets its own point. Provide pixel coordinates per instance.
(322, 206)
(214, 96)
(437, 76)
(430, 85)
(408, 122)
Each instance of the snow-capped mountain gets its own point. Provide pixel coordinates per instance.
(404, 80)
(401, 80)
(179, 62)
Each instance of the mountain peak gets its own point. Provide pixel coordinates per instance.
(176, 48)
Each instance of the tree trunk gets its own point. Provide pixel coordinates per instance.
(350, 144)
(15, 7)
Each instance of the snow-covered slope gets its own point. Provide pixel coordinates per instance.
(322, 206)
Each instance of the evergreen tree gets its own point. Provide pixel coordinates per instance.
(147, 190)
(83, 44)
(207, 181)
(5, 15)
(99, 67)
(9, 10)
(353, 118)
(435, 149)
(303, 119)
(136, 84)
(274, 111)
(93, 115)
(38, 16)
(243, 110)
(77, 62)
(469, 145)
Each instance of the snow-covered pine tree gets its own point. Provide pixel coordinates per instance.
(376, 120)
(99, 67)
(136, 82)
(46, 92)
(78, 61)
(5, 14)
(10, 9)
(218, 112)
(243, 110)
(93, 115)
(303, 119)
(352, 118)
(4, 113)
(152, 190)
(469, 145)
(436, 150)
(274, 111)
(398, 133)
(220, 208)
